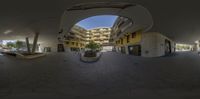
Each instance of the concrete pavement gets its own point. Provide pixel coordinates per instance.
(114, 76)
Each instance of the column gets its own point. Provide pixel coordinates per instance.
(28, 45)
(35, 42)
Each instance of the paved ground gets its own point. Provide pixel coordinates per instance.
(114, 76)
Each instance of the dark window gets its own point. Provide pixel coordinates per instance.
(135, 50)
(121, 41)
(67, 42)
(123, 50)
(128, 39)
(133, 35)
(76, 44)
(72, 43)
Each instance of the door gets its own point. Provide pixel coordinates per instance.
(123, 50)
(134, 50)
(167, 47)
(61, 48)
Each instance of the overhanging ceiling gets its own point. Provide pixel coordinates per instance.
(177, 19)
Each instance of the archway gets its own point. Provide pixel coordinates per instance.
(137, 13)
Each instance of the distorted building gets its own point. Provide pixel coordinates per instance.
(100, 35)
(138, 42)
(76, 39)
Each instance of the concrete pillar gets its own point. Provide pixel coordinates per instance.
(127, 51)
(28, 45)
(35, 42)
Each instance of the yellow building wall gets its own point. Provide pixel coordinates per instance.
(132, 41)
(75, 44)
(137, 39)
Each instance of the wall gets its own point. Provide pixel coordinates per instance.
(71, 45)
(153, 44)
(52, 45)
(132, 41)
(141, 17)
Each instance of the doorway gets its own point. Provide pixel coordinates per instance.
(135, 50)
(167, 47)
(123, 50)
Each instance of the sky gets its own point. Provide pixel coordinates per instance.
(97, 21)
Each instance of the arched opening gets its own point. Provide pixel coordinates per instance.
(126, 32)
(103, 30)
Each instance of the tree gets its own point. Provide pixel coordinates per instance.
(19, 44)
(93, 46)
(11, 45)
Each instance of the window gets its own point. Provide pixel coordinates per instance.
(76, 44)
(72, 43)
(128, 38)
(67, 43)
(133, 35)
(121, 41)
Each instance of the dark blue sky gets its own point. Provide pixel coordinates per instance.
(98, 21)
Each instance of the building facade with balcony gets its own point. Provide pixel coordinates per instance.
(76, 39)
(100, 35)
(79, 37)
(138, 42)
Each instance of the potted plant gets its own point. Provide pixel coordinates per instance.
(93, 48)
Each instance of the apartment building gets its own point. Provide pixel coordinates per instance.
(78, 37)
(100, 35)
(139, 43)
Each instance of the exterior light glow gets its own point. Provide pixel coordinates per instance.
(8, 32)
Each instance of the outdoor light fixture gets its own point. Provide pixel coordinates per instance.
(8, 32)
